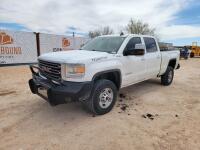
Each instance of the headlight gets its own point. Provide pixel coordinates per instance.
(75, 70)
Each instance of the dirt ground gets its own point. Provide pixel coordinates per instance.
(146, 116)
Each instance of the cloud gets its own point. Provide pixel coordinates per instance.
(180, 31)
(11, 26)
(58, 16)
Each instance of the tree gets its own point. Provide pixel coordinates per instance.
(138, 27)
(107, 31)
(93, 34)
(101, 31)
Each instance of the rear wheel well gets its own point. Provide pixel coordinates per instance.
(114, 76)
(172, 63)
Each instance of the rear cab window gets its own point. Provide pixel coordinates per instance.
(150, 44)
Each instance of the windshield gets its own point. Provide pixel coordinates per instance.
(104, 44)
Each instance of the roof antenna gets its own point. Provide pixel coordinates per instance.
(121, 34)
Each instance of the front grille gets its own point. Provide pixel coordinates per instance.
(50, 70)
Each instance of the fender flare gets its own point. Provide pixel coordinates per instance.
(109, 71)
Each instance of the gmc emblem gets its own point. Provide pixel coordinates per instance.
(46, 69)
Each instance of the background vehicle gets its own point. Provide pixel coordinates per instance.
(94, 74)
(184, 53)
(195, 50)
(165, 46)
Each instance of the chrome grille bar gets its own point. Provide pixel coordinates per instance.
(50, 70)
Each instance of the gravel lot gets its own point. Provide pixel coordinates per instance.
(146, 116)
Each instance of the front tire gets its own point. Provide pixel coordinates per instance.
(167, 78)
(103, 97)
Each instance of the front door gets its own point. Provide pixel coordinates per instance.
(133, 66)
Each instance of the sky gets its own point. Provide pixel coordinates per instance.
(176, 21)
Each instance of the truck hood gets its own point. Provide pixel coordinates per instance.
(73, 56)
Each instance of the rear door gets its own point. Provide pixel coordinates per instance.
(152, 57)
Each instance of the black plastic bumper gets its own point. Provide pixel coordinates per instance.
(59, 92)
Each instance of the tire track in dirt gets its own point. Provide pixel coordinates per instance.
(4, 93)
(8, 129)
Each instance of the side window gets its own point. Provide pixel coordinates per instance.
(132, 42)
(150, 44)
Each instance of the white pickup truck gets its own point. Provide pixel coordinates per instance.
(95, 73)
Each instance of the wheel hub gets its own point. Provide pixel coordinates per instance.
(106, 98)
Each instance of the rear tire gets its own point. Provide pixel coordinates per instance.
(103, 97)
(167, 78)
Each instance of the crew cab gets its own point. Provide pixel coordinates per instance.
(95, 73)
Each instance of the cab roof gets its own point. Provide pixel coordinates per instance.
(126, 35)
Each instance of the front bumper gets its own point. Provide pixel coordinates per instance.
(59, 92)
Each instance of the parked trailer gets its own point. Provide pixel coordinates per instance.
(20, 48)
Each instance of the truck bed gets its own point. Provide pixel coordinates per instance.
(165, 57)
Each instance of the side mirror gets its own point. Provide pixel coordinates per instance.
(139, 50)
